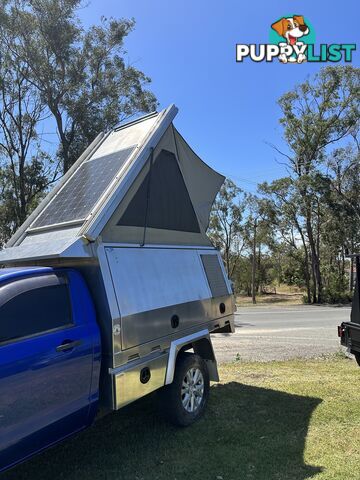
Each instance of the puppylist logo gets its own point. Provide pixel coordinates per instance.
(292, 40)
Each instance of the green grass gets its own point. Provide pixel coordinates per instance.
(271, 421)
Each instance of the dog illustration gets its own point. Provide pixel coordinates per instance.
(291, 29)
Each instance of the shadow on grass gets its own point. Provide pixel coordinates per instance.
(247, 433)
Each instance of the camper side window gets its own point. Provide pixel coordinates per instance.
(34, 312)
(162, 201)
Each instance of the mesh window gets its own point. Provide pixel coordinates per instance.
(214, 275)
(169, 206)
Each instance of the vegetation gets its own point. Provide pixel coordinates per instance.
(289, 420)
(299, 228)
(57, 77)
(280, 296)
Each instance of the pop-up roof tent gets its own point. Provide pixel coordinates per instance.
(139, 184)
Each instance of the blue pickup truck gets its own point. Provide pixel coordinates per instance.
(111, 290)
(50, 356)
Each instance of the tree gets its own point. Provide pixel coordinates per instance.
(256, 234)
(225, 227)
(25, 167)
(82, 75)
(54, 72)
(284, 207)
(316, 115)
(343, 201)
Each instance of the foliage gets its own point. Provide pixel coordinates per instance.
(81, 74)
(316, 115)
(25, 168)
(225, 228)
(55, 74)
(307, 222)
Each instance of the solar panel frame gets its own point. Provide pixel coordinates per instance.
(99, 175)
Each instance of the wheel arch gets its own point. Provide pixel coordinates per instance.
(201, 343)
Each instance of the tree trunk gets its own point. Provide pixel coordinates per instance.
(22, 191)
(307, 276)
(65, 144)
(259, 284)
(306, 261)
(317, 297)
(227, 260)
(253, 273)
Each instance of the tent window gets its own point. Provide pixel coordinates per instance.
(170, 207)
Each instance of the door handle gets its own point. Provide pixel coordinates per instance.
(68, 345)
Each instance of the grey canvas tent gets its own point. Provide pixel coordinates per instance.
(139, 184)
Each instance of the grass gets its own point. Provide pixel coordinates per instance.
(276, 299)
(285, 295)
(265, 421)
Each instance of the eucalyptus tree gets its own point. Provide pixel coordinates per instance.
(25, 169)
(82, 74)
(226, 224)
(343, 200)
(258, 232)
(316, 115)
(57, 75)
(282, 202)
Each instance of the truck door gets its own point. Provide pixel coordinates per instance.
(46, 359)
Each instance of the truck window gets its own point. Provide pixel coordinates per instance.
(35, 311)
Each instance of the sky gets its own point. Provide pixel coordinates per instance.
(227, 110)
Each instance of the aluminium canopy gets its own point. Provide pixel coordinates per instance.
(139, 184)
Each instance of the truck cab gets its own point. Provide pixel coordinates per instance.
(50, 354)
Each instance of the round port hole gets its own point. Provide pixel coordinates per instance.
(145, 375)
(175, 320)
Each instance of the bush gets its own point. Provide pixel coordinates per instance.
(332, 295)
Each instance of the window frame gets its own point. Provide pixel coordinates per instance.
(37, 283)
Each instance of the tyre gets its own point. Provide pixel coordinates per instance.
(184, 401)
(357, 357)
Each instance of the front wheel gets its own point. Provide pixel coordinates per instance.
(184, 401)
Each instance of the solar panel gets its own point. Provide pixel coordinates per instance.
(81, 192)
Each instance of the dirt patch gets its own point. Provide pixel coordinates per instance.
(269, 299)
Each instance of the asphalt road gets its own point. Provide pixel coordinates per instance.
(280, 333)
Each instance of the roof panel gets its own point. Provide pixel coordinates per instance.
(126, 136)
